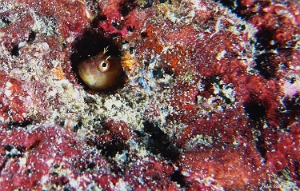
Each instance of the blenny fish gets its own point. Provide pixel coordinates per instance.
(101, 72)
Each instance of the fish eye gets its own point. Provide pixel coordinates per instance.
(104, 66)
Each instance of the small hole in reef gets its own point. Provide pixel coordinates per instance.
(23, 124)
(97, 19)
(5, 20)
(179, 179)
(91, 43)
(15, 51)
(118, 25)
(31, 37)
(130, 29)
(144, 34)
(256, 111)
(131, 50)
(159, 142)
(126, 7)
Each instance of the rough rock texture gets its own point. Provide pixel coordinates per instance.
(210, 100)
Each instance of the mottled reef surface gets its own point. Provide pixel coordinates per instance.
(210, 99)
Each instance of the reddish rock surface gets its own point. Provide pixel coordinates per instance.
(210, 102)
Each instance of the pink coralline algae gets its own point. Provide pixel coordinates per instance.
(209, 99)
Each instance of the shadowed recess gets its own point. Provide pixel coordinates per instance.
(114, 147)
(91, 44)
(265, 66)
(256, 111)
(179, 179)
(159, 142)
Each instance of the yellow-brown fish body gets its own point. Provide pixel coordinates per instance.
(101, 72)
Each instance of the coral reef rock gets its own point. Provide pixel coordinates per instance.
(210, 100)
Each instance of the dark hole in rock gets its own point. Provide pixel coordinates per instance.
(265, 65)
(264, 40)
(256, 111)
(159, 142)
(118, 25)
(130, 29)
(236, 7)
(290, 112)
(22, 124)
(62, 123)
(260, 145)
(15, 51)
(13, 154)
(226, 99)
(8, 147)
(144, 34)
(31, 37)
(231, 4)
(114, 147)
(165, 1)
(127, 6)
(179, 178)
(157, 73)
(77, 126)
(5, 20)
(292, 80)
(242, 27)
(3, 163)
(22, 149)
(97, 19)
(91, 44)
(131, 49)
(91, 165)
(139, 133)
(28, 171)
